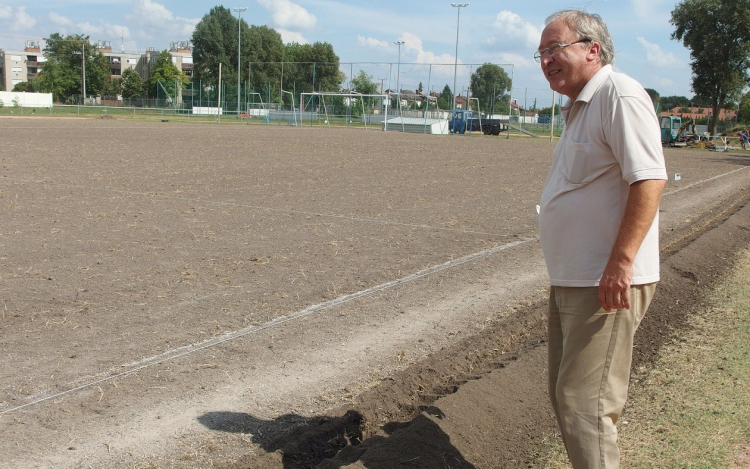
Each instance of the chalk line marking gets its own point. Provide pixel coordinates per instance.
(310, 310)
(705, 180)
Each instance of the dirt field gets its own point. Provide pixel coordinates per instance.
(180, 296)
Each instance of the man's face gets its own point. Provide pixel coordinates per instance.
(571, 68)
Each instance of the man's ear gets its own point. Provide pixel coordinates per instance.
(594, 50)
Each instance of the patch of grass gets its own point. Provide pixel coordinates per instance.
(692, 410)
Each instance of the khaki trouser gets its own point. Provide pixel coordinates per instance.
(590, 353)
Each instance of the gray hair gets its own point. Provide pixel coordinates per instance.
(588, 25)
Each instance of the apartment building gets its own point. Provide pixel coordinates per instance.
(20, 66)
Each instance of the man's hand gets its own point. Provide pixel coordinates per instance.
(614, 286)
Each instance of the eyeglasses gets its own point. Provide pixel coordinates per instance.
(555, 49)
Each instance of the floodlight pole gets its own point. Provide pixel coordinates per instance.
(83, 57)
(398, 83)
(398, 70)
(458, 6)
(239, 11)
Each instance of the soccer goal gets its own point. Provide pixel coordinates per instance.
(293, 121)
(251, 106)
(350, 99)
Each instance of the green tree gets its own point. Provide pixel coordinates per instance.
(653, 94)
(547, 111)
(445, 101)
(700, 101)
(364, 83)
(670, 102)
(113, 87)
(654, 99)
(501, 105)
(32, 86)
(311, 67)
(718, 36)
(315, 63)
(23, 86)
(265, 53)
(62, 73)
(743, 115)
(215, 42)
(488, 83)
(164, 77)
(132, 84)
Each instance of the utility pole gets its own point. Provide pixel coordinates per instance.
(83, 70)
(239, 11)
(398, 83)
(458, 6)
(398, 70)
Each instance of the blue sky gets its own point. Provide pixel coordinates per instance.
(364, 31)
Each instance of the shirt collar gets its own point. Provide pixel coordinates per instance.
(590, 88)
(594, 83)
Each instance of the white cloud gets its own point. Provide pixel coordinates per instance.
(89, 29)
(371, 42)
(152, 13)
(22, 20)
(289, 15)
(119, 36)
(6, 12)
(511, 29)
(664, 82)
(59, 20)
(155, 20)
(414, 51)
(655, 55)
(520, 61)
(653, 11)
(291, 36)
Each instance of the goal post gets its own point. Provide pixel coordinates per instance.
(351, 97)
(294, 110)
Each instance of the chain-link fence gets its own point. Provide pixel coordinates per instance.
(290, 94)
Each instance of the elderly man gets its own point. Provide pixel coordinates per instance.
(599, 231)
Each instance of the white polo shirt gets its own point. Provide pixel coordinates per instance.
(611, 140)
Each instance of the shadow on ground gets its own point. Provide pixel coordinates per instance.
(296, 442)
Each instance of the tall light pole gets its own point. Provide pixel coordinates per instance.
(83, 70)
(458, 6)
(398, 74)
(83, 67)
(239, 11)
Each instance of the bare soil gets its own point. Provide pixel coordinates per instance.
(276, 297)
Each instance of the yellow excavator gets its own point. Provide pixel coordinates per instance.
(674, 131)
(684, 134)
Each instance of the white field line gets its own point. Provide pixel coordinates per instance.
(256, 207)
(310, 310)
(696, 183)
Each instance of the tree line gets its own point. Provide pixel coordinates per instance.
(216, 39)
